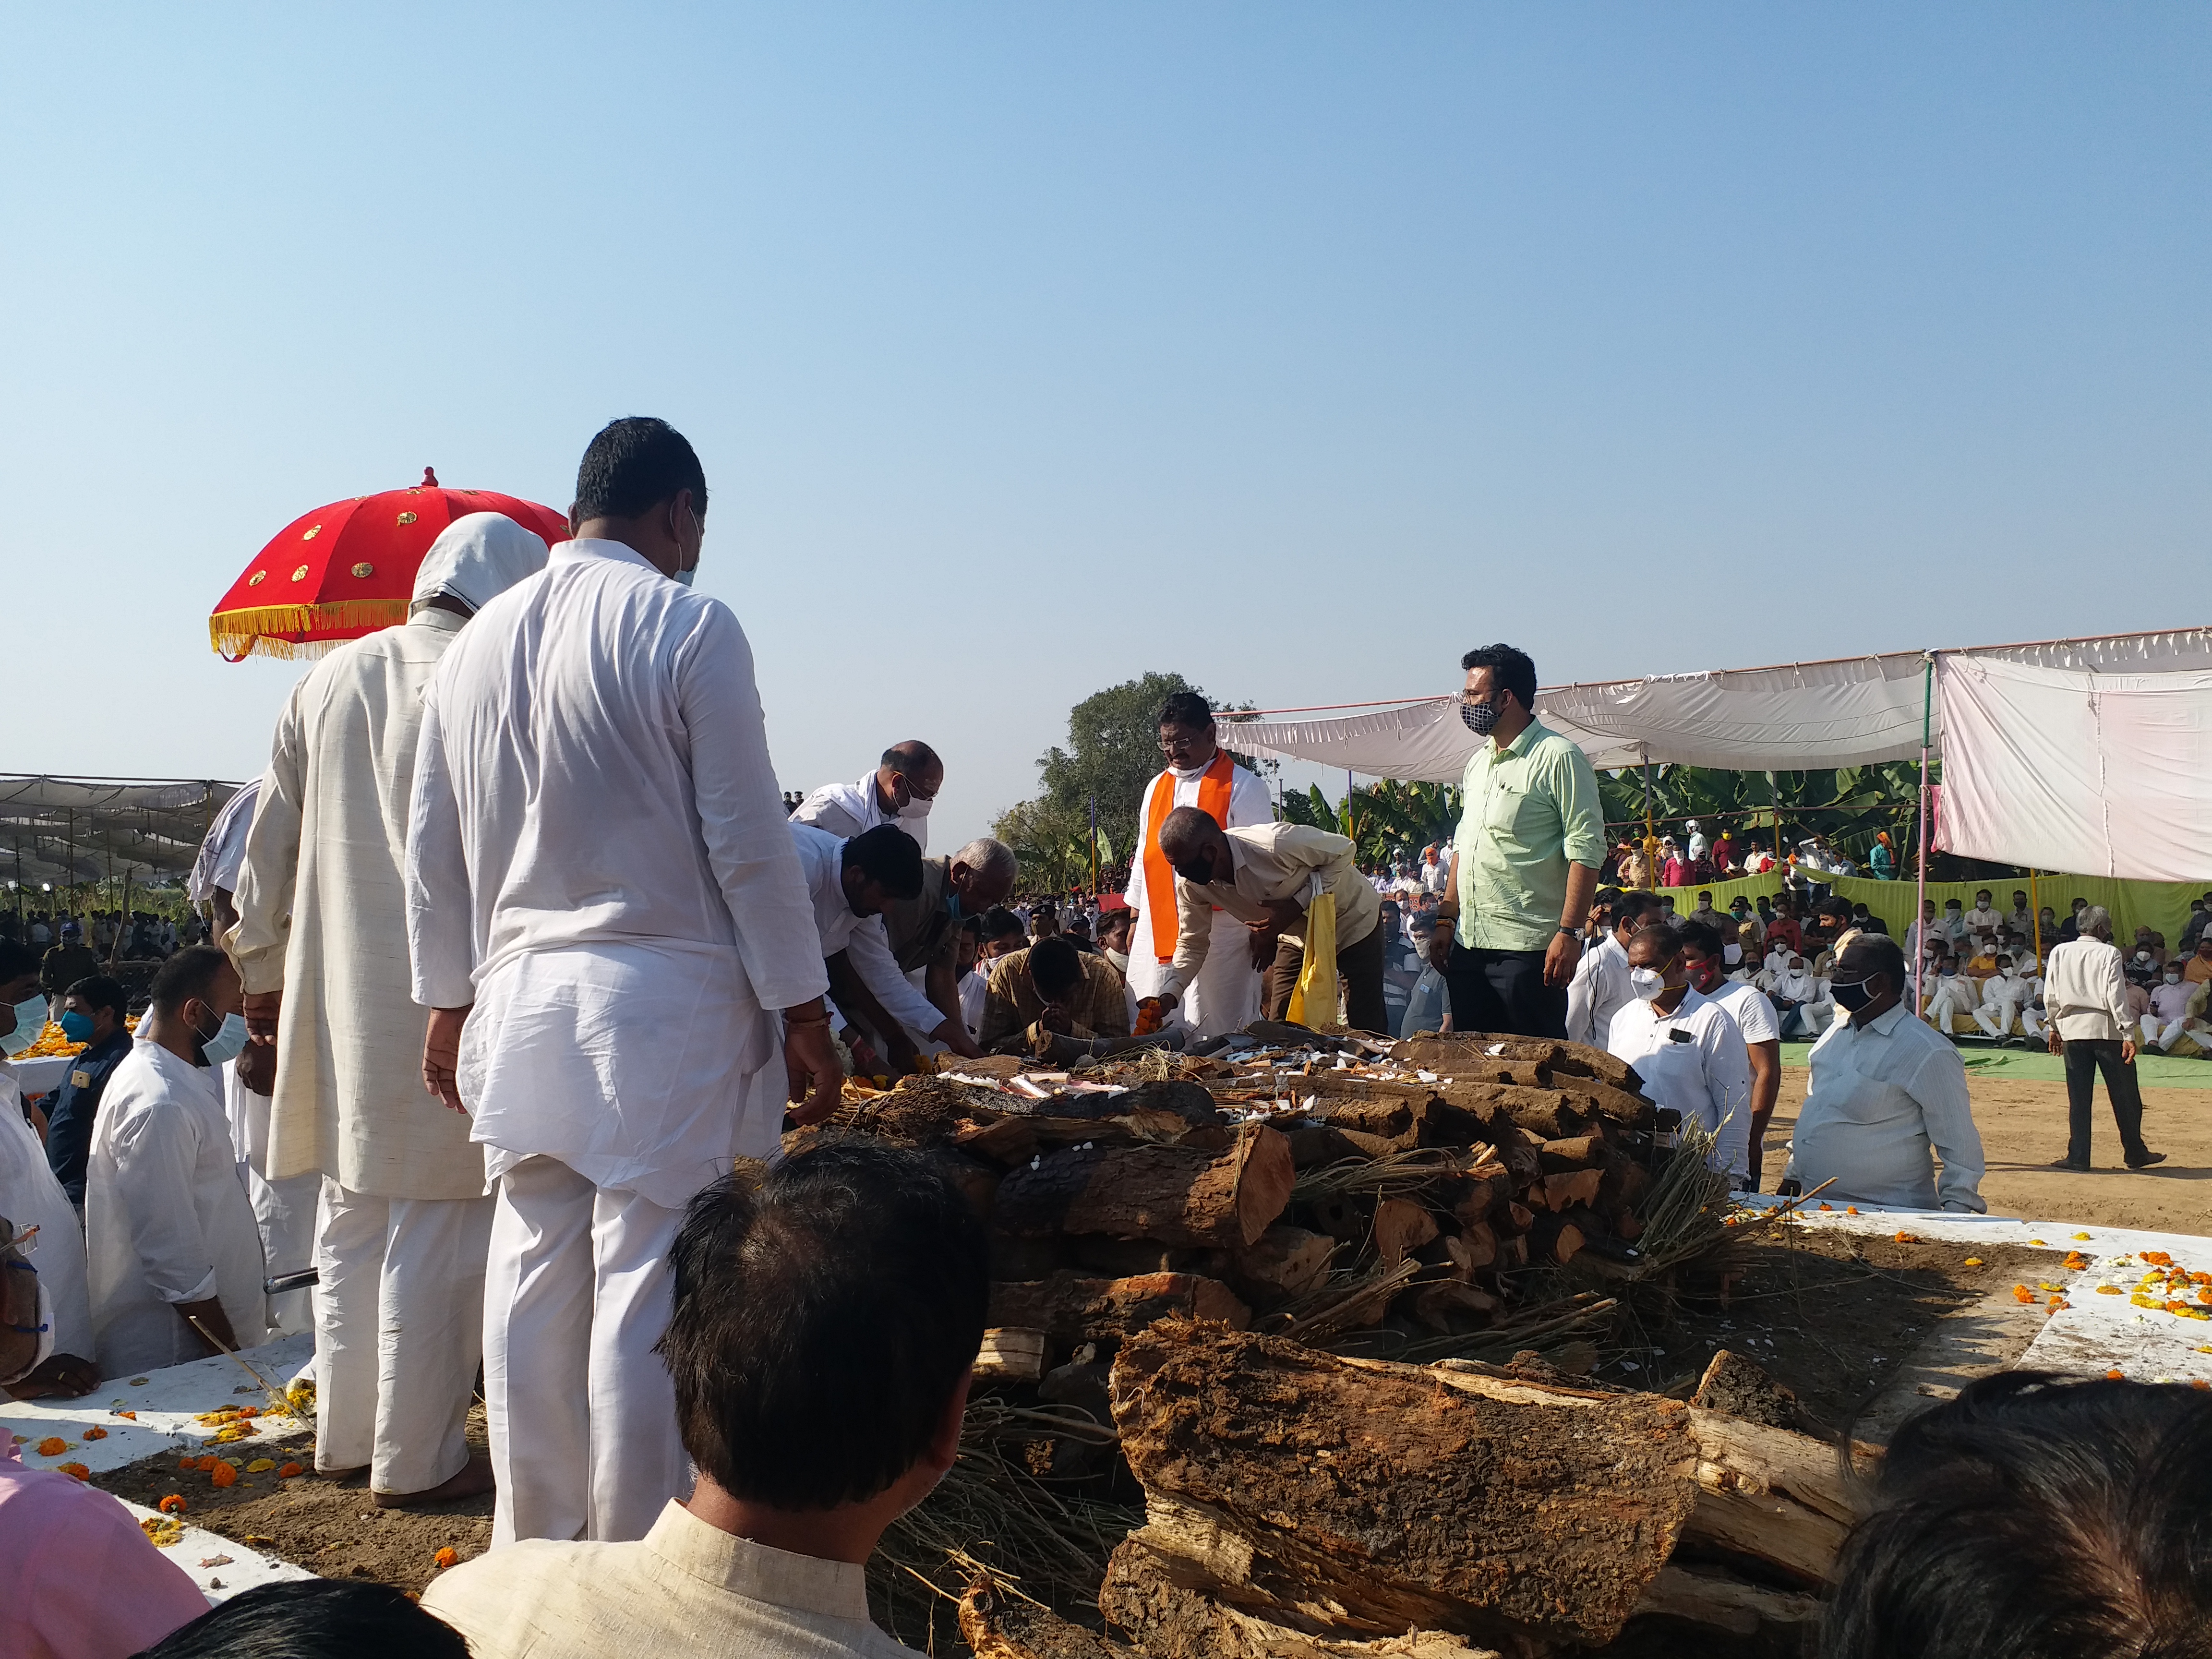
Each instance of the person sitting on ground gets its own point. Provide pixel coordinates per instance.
(1773, 967)
(2200, 917)
(1801, 1000)
(2017, 946)
(1704, 1075)
(1883, 1090)
(92, 1014)
(821, 1340)
(1051, 988)
(1865, 921)
(1952, 996)
(1982, 961)
(2071, 929)
(2149, 947)
(2003, 995)
(2198, 969)
(2163, 1026)
(2033, 1516)
(2136, 990)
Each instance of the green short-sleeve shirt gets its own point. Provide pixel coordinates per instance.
(1528, 812)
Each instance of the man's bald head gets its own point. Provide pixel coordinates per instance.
(1190, 837)
(909, 773)
(911, 756)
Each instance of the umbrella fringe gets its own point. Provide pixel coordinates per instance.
(239, 634)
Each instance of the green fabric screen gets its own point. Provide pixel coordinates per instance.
(2163, 905)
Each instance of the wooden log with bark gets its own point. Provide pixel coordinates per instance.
(1170, 1194)
(1071, 1308)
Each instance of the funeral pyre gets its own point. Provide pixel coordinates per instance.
(1285, 1359)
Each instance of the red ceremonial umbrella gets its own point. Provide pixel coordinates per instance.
(349, 568)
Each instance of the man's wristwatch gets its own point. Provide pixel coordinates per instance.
(1574, 933)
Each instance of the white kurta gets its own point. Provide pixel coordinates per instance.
(1706, 1078)
(845, 810)
(224, 849)
(1226, 995)
(598, 858)
(1598, 990)
(322, 915)
(821, 856)
(31, 1197)
(167, 1218)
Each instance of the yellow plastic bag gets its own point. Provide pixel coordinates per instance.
(1313, 1004)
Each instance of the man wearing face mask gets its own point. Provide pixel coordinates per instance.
(169, 1228)
(2169, 1010)
(1708, 953)
(1224, 996)
(1884, 1090)
(1524, 861)
(900, 790)
(853, 883)
(1801, 1000)
(2071, 929)
(2004, 994)
(924, 932)
(608, 920)
(1117, 926)
(1600, 987)
(1685, 1047)
(32, 1197)
(92, 1013)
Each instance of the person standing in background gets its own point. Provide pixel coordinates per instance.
(900, 790)
(1524, 861)
(2085, 996)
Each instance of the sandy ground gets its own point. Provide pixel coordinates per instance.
(2023, 1127)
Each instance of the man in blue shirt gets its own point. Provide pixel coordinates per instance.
(92, 1013)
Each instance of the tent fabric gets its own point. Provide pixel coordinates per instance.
(77, 829)
(2072, 768)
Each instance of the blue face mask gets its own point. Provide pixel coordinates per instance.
(683, 577)
(30, 1016)
(76, 1027)
(227, 1044)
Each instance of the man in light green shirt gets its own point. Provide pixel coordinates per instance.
(1524, 861)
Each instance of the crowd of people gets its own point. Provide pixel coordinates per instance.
(522, 963)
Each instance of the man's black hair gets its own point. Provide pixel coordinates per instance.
(1185, 708)
(101, 992)
(821, 1322)
(1635, 904)
(889, 856)
(1055, 967)
(632, 467)
(16, 959)
(1840, 909)
(1512, 669)
(973, 925)
(1699, 936)
(314, 1619)
(999, 922)
(188, 974)
(911, 756)
(2035, 1517)
(1604, 895)
(1878, 953)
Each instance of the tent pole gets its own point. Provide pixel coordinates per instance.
(1649, 838)
(1920, 900)
(2035, 919)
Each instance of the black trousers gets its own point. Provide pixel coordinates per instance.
(2084, 1058)
(1504, 993)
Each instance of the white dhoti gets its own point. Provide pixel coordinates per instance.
(1225, 996)
(283, 1210)
(2031, 1022)
(576, 1295)
(1947, 1000)
(398, 1333)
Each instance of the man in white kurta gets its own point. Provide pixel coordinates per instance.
(848, 905)
(168, 1227)
(606, 910)
(31, 1196)
(322, 946)
(1226, 995)
(900, 790)
(1705, 1073)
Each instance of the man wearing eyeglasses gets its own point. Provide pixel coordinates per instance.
(900, 790)
(1524, 861)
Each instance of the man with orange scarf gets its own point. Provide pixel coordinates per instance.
(1226, 995)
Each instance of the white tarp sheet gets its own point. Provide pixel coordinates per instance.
(2063, 769)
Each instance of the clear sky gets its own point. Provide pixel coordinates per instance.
(1296, 348)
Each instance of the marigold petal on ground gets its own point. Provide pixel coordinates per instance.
(173, 1504)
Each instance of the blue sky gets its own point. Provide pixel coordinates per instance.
(1294, 348)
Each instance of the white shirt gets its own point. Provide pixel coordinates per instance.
(167, 1216)
(224, 849)
(1980, 917)
(1435, 876)
(1248, 803)
(973, 985)
(2086, 992)
(30, 1196)
(845, 810)
(822, 856)
(2006, 993)
(1598, 990)
(1706, 1077)
(599, 856)
(1698, 845)
(1881, 1097)
(1749, 1008)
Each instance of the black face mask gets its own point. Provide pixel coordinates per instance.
(1851, 995)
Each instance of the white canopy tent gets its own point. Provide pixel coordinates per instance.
(2089, 755)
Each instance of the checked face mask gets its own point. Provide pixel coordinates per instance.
(1480, 717)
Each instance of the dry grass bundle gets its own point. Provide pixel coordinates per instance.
(1685, 1214)
(1392, 1175)
(1345, 1302)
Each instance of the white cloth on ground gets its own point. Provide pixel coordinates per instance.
(30, 1196)
(577, 1296)
(1226, 997)
(223, 849)
(822, 862)
(1881, 1097)
(167, 1218)
(1706, 1077)
(398, 1333)
(845, 810)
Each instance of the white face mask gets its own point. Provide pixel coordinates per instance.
(2143, 955)
(1731, 954)
(30, 1016)
(1119, 958)
(916, 808)
(2174, 979)
(1649, 983)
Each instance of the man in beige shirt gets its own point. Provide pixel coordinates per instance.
(1264, 876)
(796, 1306)
(2086, 996)
(1053, 988)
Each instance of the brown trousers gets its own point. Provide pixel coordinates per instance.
(1358, 966)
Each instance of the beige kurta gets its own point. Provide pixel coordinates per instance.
(1273, 862)
(323, 916)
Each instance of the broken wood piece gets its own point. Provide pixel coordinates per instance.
(1282, 1264)
(996, 1624)
(1577, 1187)
(1071, 1306)
(1171, 1194)
(1167, 1621)
(1401, 1227)
(1010, 1354)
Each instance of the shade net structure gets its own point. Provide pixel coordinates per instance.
(66, 831)
(2088, 755)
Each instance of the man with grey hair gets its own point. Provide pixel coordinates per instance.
(2085, 995)
(925, 939)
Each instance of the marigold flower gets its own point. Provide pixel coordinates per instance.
(225, 1473)
(261, 1465)
(446, 1557)
(1973, 1262)
(288, 1471)
(1906, 1238)
(1851, 1209)
(2199, 1382)
(95, 1434)
(76, 1469)
(173, 1504)
(2115, 1375)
